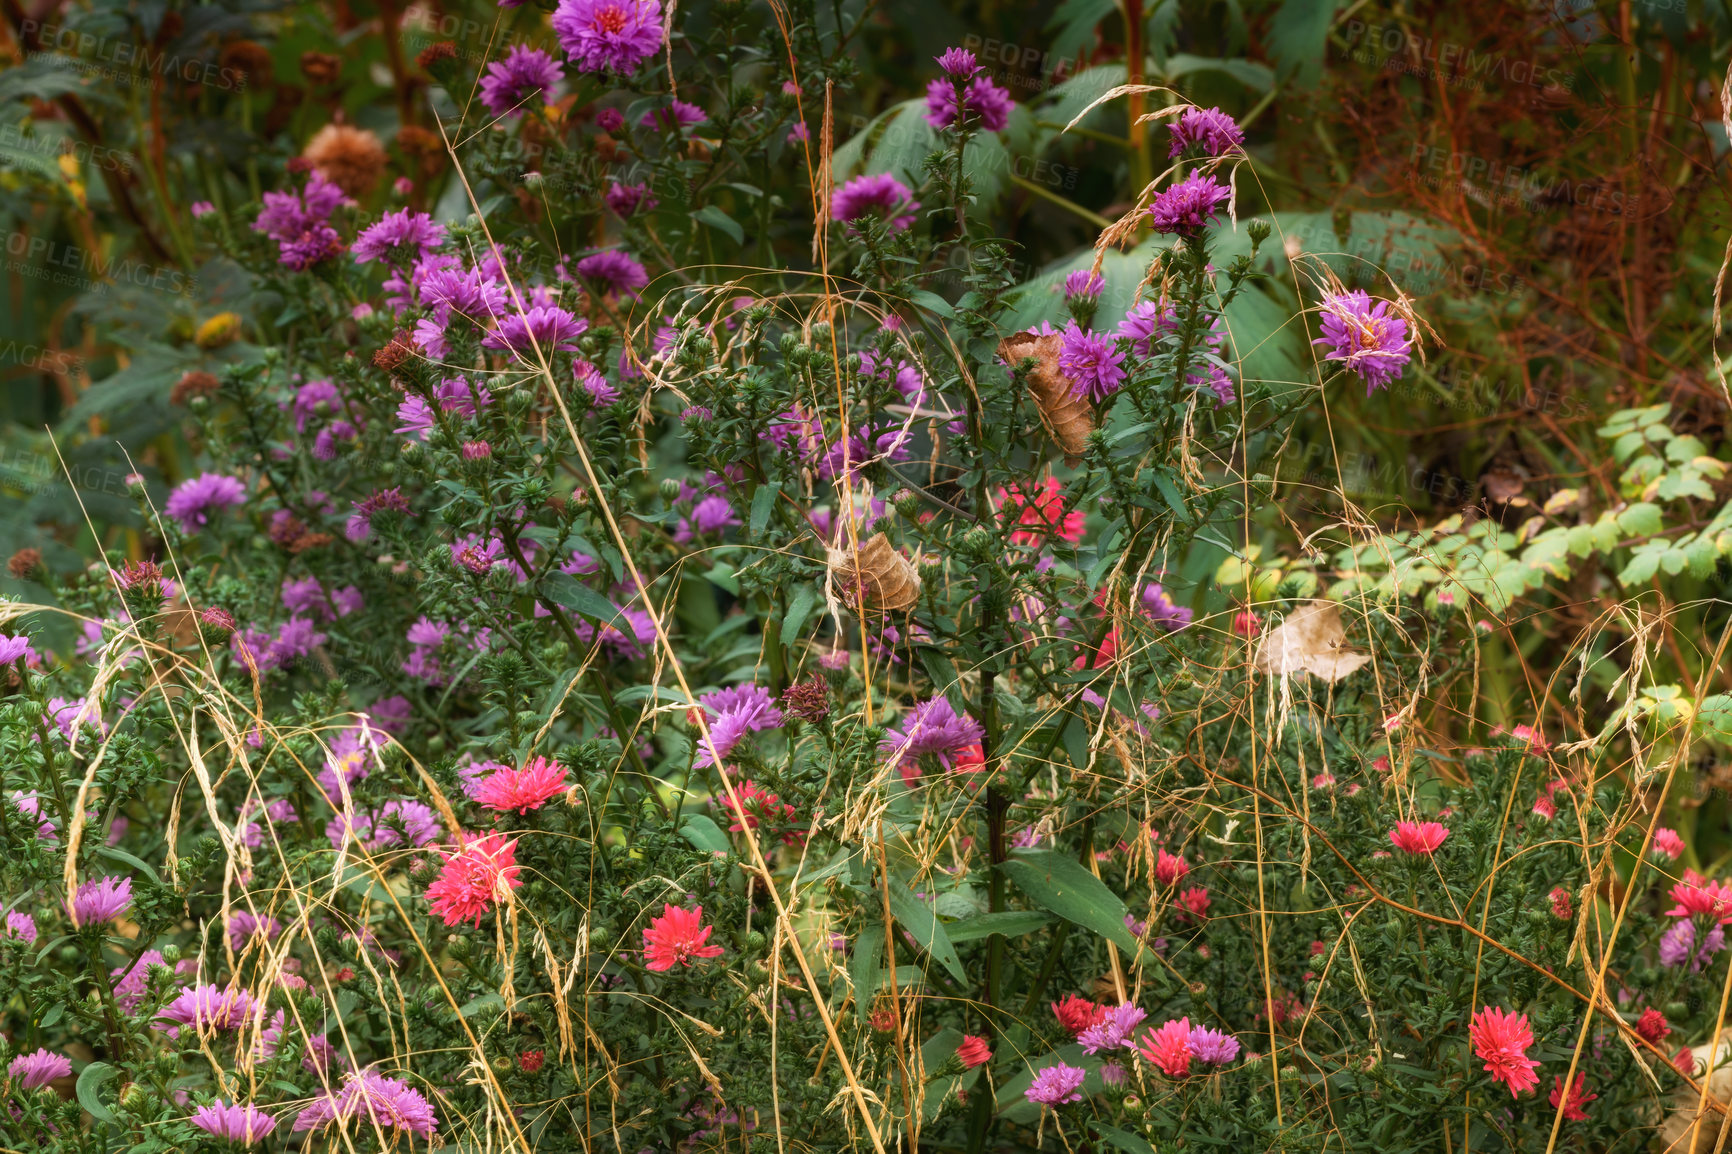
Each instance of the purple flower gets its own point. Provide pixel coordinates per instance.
(548, 326)
(101, 901)
(1214, 130)
(1188, 205)
(512, 83)
(417, 418)
(609, 120)
(629, 199)
(982, 99)
(879, 194)
(244, 1124)
(932, 727)
(1084, 282)
(243, 924)
(1113, 1031)
(400, 238)
(20, 925)
(1365, 338)
(1213, 1046)
(710, 515)
(12, 648)
(678, 114)
(315, 399)
(131, 982)
(374, 1099)
(590, 380)
(1056, 1085)
(299, 223)
(1092, 362)
(192, 501)
(201, 209)
(477, 556)
(207, 1007)
(733, 713)
(616, 271)
(1162, 611)
(34, 1071)
(461, 292)
(958, 63)
(602, 35)
(380, 831)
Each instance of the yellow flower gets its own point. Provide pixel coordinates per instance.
(218, 331)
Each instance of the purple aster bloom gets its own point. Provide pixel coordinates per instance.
(207, 1007)
(1213, 1046)
(315, 399)
(710, 515)
(131, 982)
(12, 648)
(1143, 323)
(982, 99)
(201, 209)
(1218, 382)
(609, 120)
(477, 556)
(879, 194)
(462, 292)
(28, 803)
(1084, 282)
(1214, 130)
(400, 238)
(799, 134)
(549, 326)
(102, 901)
(1056, 1085)
(69, 715)
(20, 925)
(243, 924)
(296, 638)
(958, 63)
(416, 415)
(319, 243)
(523, 75)
(865, 444)
(34, 1071)
(380, 830)
(1678, 944)
(629, 199)
(1365, 338)
(299, 223)
(320, 1056)
(580, 564)
(1161, 610)
(375, 1100)
(1188, 205)
(244, 1124)
(305, 595)
(391, 713)
(678, 114)
(1112, 1074)
(347, 600)
(604, 35)
(1092, 361)
(932, 727)
(1113, 1031)
(733, 713)
(616, 271)
(457, 395)
(427, 632)
(590, 380)
(192, 501)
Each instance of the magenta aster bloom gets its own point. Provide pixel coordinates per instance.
(629, 199)
(1084, 282)
(416, 820)
(1092, 362)
(1112, 1031)
(417, 417)
(932, 727)
(678, 114)
(131, 982)
(608, 35)
(299, 223)
(192, 501)
(207, 1007)
(551, 327)
(1189, 205)
(244, 1124)
(20, 925)
(733, 713)
(982, 100)
(958, 63)
(1212, 1046)
(1365, 338)
(879, 194)
(102, 901)
(400, 238)
(1056, 1085)
(615, 271)
(1213, 130)
(375, 1100)
(511, 84)
(34, 1071)
(1158, 604)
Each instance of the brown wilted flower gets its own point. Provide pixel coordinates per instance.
(351, 158)
(1066, 417)
(247, 58)
(286, 528)
(396, 354)
(24, 562)
(308, 541)
(879, 579)
(808, 700)
(607, 149)
(435, 54)
(321, 67)
(421, 143)
(196, 383)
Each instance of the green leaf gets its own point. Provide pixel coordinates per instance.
(567, 591)
(763, 501)
(120, 855)
(1641, 520)
(1123, 1140)
(704, 833)
(721, 221)
(90, 1080)
(932, 302)
(1010, 923)
(921, 920)
(482, 1004)
(1171, 495)
(805, 597)
(1057, 882)
(1298, 35)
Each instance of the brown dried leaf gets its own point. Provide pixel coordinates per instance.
(883, 580)
(1312, 641)
(1066, 418)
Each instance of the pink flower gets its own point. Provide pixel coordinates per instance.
(1169, 868)
(237, 1123)
(374, 1099)
(1422, 837)
(1560, 903)
(1699, 895)
(1195, 901)
(1040, 512)
(523, 789)
(1573, 1111)
(1168, 1046)
(1501, 1039)
(973, 1052)
(1056, 1085)
(1668, 842)
(208, 1007)
(482, 871)
(677, 937)
(34, 1071)
(1077, 1014)
(101, 901)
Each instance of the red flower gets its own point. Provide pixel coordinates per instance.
(1501, 1039)
(1042, 511)
(1169, 868)
(758, 807)
(1168, 1046)
(1418, 837)
(1245, 623)
(1684, 1061)
(1652, 1025)
(530, 1061)
(481, 872)
(1560, 903)
(973, 1052)
(507, 789)
(1077, 1014)
(1699, 895)
(1573, 1104)
(1195, 901)
(677, 937)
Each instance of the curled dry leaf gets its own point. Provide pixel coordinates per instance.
(1312, 641)
(882, 579)
(1066, 417)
